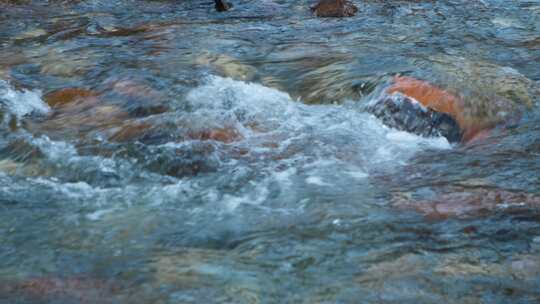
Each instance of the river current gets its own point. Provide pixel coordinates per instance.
(228, 157)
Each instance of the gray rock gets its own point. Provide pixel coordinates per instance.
(403, 113)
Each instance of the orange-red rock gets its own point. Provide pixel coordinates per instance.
(67, 96)
(439, 100)
(428, 95)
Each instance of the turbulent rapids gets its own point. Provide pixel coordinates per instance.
(166, 152)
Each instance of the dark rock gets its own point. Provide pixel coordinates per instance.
(403, 113)
(334, 8)
(222, 6)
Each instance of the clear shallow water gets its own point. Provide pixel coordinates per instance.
(308, 198)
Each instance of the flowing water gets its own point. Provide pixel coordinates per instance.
(227, 158)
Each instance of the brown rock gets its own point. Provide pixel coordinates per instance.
(63, 97)
(222, 6)
(334, 8)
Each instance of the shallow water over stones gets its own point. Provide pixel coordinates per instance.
(163, 152)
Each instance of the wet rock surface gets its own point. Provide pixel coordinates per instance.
(406, 114)
(334, 8)
(457, 118)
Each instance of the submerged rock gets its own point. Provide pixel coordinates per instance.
(59, 61)
(69, 290)
(139, 98)
(227, 66)
(457, 203)
(68, 96)
(197, 270)
(491, 79)
(334, 8)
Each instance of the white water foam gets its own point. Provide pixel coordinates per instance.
(227, 102)
(21, 103)
(293, 149)
(322, 144)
